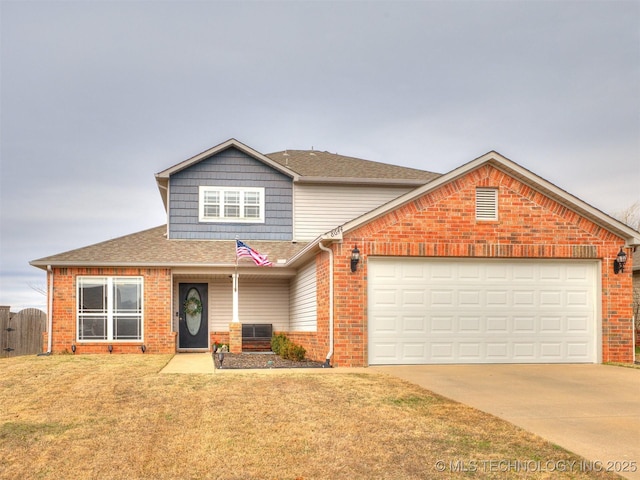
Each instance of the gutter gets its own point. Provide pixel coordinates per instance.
(327, 362)
(50, 315)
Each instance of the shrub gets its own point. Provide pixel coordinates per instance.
(292, 351)
(277, 342)
(281, 345)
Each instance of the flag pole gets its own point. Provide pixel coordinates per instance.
(236, 316)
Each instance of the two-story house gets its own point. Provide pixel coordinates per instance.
(371, 263)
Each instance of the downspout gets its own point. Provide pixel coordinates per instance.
(327, 363)
(50, 313)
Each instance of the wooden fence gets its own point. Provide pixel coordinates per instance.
(21, 333)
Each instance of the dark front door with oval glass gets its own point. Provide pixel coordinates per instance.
(194, 327)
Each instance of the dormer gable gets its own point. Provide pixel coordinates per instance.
(162, 178)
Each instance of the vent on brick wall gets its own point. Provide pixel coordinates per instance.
(486, 204)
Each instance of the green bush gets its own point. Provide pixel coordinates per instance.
(281, 345)
(292, 351)
(277, 342)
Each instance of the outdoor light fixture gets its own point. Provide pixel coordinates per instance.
(355, 258)
(143, 348)
(618, 263)
(110, 348)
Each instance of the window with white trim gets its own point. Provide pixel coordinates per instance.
(109, 308)
(231, 204)
(486, 204)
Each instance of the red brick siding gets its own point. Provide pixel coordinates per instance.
(158, 337)
(442, 223)
(218, 337)
(235, 337)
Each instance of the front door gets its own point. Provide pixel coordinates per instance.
(194, 327)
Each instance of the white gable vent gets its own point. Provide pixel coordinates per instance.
(486, 204)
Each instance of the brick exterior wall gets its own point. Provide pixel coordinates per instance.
(158, 337)
(235, 337)
(442, 223)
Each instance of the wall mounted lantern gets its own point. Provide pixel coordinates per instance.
(355, 258)
(618, 263)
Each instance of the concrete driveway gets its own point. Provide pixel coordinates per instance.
(591, 410)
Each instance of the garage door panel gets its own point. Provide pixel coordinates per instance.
(497, 324)
(579, 324)
(524, 351)
(413, 298)
(467, 273)
(442, 351)
(442, 298)
(577, 299)
(577, 350)
(414, 324)
(524, 324)
(469, 298)
(481, 311)
(497, 298)
(414, 351)
(497, 351)
(496, 272)
(386, 297)
(385, 325)
(469, 324)
(523, 298)
(470, 351)
(550, 324)
(551, 351)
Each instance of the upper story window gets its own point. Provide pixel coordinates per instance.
(231, 204)
(486, 204)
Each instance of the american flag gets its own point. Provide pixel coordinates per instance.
(244, 250)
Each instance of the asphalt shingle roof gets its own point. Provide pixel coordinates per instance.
(151, 248)
(313, 163)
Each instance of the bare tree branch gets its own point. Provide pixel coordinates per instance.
(38, 288)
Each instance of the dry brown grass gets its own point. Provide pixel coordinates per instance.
(101, 416)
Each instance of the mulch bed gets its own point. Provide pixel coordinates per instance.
(260, 360)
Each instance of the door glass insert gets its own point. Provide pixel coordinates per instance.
(193, 311)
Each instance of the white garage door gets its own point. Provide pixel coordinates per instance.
(481, 311)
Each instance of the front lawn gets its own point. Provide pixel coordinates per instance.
(115, 416)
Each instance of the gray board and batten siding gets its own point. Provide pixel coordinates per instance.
(231, 168)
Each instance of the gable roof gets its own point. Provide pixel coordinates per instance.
(162, 178)
(631, 236)
(311, 166)
(151, 248)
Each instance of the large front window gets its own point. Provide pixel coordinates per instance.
(231, 204)
(109, 308)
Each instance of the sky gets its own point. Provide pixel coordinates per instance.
(98, 96)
